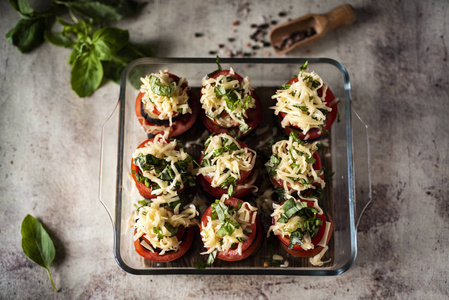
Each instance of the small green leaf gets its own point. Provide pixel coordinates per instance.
(87, 73)
(37, 244)
(108, 40)
(27, 34)
(58, 39)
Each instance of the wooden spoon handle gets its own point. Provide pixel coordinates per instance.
(340, 16)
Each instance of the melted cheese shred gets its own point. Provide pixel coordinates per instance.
(301, 103)
(293, 167)
(217, 109)
(150, 220)
(245, 217)
(228, 163)
(167, 106)
(163, 149)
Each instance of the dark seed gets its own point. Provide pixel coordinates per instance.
(282, 14)
(212, 52)
(198, 34)
(231, 39)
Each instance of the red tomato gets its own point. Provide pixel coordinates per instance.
(218, 192)
(171, 255)
(330, 118)
(317, 166)
(178, 127)
(233, 254)
(141, 187)
(243, 174)
(254, 114)
(298, 250)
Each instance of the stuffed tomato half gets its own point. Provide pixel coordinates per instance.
(227, 167)
(295, 166)
(165, 104)
(303, 228)
(229, 103)
(230, 230)
(162, 233)
(306, 105)
(161, 168)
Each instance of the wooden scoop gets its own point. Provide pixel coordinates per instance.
(308, 29)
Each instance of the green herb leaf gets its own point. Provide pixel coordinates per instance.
(173, 230)
(211, 258)
(108, 41)
(58, 39)
(28, 34)
(304, 66)
(95, 9)
(87, 73)
(37, 244)
(159, 89)
(200, 264)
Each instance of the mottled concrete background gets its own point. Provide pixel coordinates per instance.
(397, 56)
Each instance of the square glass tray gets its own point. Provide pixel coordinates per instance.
(345, 153)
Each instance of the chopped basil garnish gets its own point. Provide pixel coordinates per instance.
(160, 89)
(173, 230)
(211, 258)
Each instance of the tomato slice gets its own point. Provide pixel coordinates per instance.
(330, 118)
(233, 202)
(297, 249)
(254, 114)
(243, 174)
(170, 256)
(218, 192)
(141, 187)
(317, 166)
(178, 127)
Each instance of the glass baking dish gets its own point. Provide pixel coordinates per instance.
(345, 152)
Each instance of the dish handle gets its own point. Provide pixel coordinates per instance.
(108, 162)
(362, 166)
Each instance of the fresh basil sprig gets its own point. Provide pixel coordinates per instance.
(98, 52)
(37, 244)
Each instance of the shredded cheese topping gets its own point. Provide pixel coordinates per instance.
(150, 221)
(221, 111)
(292, 161)
(166, 150)
(300, 102)
(168, 104)
(223, 164)
(244, 217)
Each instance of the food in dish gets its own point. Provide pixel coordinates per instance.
(306, 105)
(227, 167)
(161, 233)
(229, 103)
(295, 166)
(303, 228)
(165, 104)
(230, 230)
(161, 168)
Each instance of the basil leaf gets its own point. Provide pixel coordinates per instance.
(212, 256)
(37, 244)
(296, 238)
(108, 41)
(23, 8)
(28, 34)
(219, 209)
(86, 74)
(161, 90)
(58, 39)
(285, 86)
(95, 10)
(173, 230)
(304, 66)
(219, 91)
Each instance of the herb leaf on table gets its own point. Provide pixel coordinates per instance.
(37, 244)
(99, 52)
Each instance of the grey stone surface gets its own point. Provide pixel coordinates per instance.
(396, 54)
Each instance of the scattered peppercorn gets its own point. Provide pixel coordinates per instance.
(198, 34)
